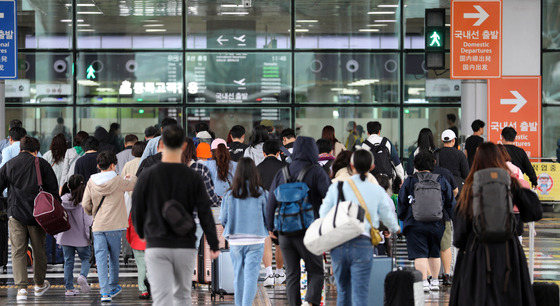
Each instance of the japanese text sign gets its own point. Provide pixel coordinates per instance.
(8, 39)
(516, 102)
(476, 39)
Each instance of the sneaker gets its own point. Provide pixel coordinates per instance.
(269, 281)
(279, 279)
(84, 286)
(22, 295)
(41, 290)
(105, 298)
(446, 280)
(144, 296)
(434, 285)
(72, 292)
(426, 285)
(116, 292)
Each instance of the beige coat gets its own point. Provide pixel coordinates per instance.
(344, 175)
(112, 214)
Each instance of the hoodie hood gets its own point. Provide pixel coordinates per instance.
(101, 134)
(305, 149)
(103, 182)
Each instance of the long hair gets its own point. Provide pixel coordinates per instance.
(426, 140)
(328, 133)
(189, 153)
(342, 161)
(246, 181)
(222, 158)
(487, 156)
(504, 152)
(260, 135)
(76, 187)
(58, 148)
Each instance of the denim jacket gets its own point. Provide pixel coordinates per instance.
(244, 216)
(220, 187)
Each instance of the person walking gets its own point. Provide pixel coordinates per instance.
(55, 156)
(104, 200)
(328, 133)
(221, 167)
(170, 257)
(352, 269)
(474, 140)
(255, 151)
(76, 239)
(72, 155)
(491, 273)
(19, 175)
(518, 155)
(86, 165)
(242, 215)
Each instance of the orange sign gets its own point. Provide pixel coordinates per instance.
(476, 39)
(516, 102)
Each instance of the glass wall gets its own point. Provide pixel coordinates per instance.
(550, 77)
(301, 64)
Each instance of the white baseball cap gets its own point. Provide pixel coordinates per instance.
(448, 135)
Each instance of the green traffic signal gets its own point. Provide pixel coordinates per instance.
(435, 39)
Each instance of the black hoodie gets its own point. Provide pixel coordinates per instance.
(103, 137)
(305, 153)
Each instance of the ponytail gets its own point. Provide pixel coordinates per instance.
(362, 160)
(77, 187)
(222, 158)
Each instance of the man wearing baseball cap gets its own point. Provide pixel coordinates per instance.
(450, 158)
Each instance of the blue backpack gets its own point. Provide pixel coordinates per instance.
(294, 213)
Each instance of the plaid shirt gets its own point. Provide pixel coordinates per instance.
(205, 173)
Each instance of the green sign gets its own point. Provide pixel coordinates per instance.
(90, 73)
(435, 39)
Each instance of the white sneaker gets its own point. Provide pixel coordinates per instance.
(434, 285)
(269, 281)
(22, 295)
(426, 285)
(41, 290)
(280, 279)
(84, 286)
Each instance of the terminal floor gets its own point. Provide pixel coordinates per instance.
(547, 268)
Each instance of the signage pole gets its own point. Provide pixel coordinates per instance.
(2, 108)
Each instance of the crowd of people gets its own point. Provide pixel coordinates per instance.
(130, 193)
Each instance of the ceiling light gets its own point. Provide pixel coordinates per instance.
(81, 4)
(381, 13)
(231, 5)
(368, 30)
(388, 5)
(153, 25)
(151, 20)
(447, 24)
(90, 13)
(385, 21)
(302, 30)
(307, 21)
(83, 25)
(70, 20)
(86, 30)
(235, 13)
(156, 30)
(377, 25)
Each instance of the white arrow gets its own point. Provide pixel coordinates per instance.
(221, 39)
(519, 101)
(481, 15)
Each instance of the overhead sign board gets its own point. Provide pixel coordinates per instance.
(8, 39)
(476, 39)
(516, 102)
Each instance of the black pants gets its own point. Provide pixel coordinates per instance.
(293, 251)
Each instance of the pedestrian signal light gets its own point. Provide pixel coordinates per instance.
(434, 32)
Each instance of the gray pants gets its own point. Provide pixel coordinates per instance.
(170, 274)
(293, 250)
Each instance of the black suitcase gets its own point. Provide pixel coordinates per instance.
(546, 294)
(403, 288)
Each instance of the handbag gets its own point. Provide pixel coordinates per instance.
(342, 223)
(374, 233)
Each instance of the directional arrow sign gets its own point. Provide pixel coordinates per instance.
(481, 15)
(519, 101)
(221, 40)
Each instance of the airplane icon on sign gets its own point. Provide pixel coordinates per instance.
(240, 38)
(240, 82)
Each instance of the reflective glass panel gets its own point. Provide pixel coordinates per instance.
(428, 86)
(551, 78)
(550, 130)
(347, 78)
(414, 13)
(44, 24)
(311, 120)
(347, 24)
(236, 24)
(233, 78)
(550, 24)
(126, 24)
(129, 77)
(43, 78)
(221, 120)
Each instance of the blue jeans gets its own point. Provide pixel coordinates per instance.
(246, 260)
(352, 267)
(107, 243)
(69, 253)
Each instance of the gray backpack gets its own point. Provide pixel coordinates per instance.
(427, 205)
(493, 218)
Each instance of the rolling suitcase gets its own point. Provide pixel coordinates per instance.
(54, 251)
(381, 266)
(222, 275)
(204, 264)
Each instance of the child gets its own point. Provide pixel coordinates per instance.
(242, 215)
(77, 237)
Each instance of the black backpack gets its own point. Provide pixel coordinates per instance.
(381, 158)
